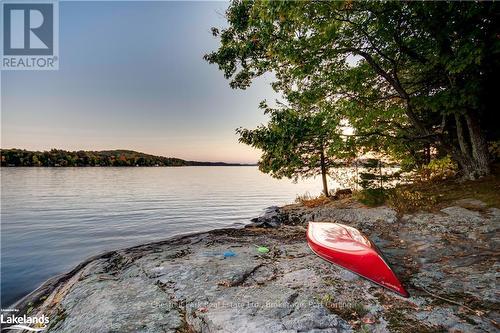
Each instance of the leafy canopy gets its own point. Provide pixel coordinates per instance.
(294, 140)
(398, 72)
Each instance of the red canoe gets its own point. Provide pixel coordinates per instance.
(348, 248)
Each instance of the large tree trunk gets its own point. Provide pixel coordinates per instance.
(324, 173)
(465, 164)
(479, 147)
(472, 155)
(461, 136)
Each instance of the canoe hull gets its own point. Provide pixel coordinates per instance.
(348, 248)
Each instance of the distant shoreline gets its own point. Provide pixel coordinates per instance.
(131, 166)
(105, 158)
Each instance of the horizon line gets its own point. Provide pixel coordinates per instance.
(136, 151)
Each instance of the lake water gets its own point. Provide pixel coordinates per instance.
(53, 218)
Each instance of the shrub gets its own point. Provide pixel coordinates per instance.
(372, 196)
(438, 169)
(494, 150)
(407, 201)
(309, 201)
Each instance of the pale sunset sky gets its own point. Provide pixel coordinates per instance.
(131, 76)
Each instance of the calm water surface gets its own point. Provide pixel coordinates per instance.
(52, 218)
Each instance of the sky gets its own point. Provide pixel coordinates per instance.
(131, 76)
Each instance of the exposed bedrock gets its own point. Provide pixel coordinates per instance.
(219, 282)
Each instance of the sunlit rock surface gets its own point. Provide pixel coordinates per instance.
(219, 282)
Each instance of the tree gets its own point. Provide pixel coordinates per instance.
(423, 73)
(35, 161)
(297, 143)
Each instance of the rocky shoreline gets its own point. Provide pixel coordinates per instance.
(218, 282)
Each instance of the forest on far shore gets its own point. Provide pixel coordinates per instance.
(83, 158)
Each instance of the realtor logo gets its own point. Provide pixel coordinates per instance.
(30, 35)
